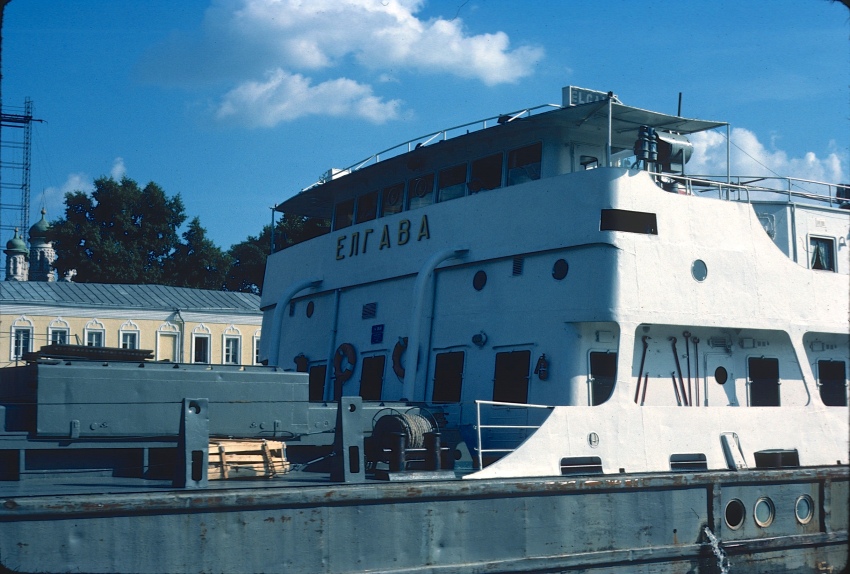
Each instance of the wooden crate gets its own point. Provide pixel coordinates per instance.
(234, 458)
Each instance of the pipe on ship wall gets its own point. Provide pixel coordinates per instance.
(419, 292)
(277, 320)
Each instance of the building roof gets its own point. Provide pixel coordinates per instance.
(148, 297)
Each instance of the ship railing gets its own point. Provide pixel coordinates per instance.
(442, 135)
(525, 427)
(754, 188)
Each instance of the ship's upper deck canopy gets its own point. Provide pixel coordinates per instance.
(583, 119)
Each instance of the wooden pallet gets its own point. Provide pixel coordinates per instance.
(235, 458)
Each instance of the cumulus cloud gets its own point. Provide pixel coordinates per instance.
(53, 198)
(750, 157)
(264, 48)
(118, 170)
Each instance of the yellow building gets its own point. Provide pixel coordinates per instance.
(177, 324)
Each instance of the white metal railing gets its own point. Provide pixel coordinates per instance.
(442, 135)
(743, 188)
(479, 426)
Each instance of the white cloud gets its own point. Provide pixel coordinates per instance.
(283, 96)
(265, 47)
(53, 198)
(749, 157)
(118, 170)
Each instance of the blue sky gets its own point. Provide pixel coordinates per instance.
(238, 104)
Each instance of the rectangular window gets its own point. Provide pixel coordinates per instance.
(524, 164)
(343, 214)
(256, 350)
(510, 381)
(822, 251)
(317, 383)
(59, 336)
(421, 191)
(832, 378)
(764, 382)
(629, 221)
(452, 183)
(22, 342)
(201, 349)
(372, 377)
(448, 377)
(231, 350)
(94, 338)
(486, 173)
(603, 374)
(367, 207)
(166, 347)
(392, 199)
(129, 340)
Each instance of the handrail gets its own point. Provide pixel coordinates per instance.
(744, 187)
(424, 140)
(479, 426)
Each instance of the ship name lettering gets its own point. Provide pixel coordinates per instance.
(358, 241)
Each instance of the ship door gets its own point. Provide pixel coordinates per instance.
(510, 381)
(719, 388)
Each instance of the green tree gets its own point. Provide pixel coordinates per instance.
(197, 262)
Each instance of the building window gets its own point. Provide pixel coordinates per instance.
(94, 338)
(257, 347)
(822, 253)
(22, 342)
(129, 340)
(168, 343)
(201, 349)
(231, 350)
(58, 336)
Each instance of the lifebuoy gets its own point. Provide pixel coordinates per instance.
(344, 352)
(398, 351)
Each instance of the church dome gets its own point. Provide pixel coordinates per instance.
(39, 230)
(16, 245)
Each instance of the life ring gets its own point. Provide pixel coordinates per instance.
(398, 351)
(344, 352)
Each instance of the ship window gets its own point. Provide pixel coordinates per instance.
(486, 173)
(510, 382)
(603, 373)
(316, 383)
(764, 382)
(367, 207)
(524, 164)
(421, 191)
(589, 162)
(479, 280)
(343, 214)
(452, 183)
(630, 221)
(372, 377)
(832, 377)
(392, 199)
(448, 377)
(311, 307)
(560, 269)
(822, 253)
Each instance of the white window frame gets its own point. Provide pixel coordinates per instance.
(257, 347)
(94, 327)
(129, 328)
(231, 335)
(833, 244)
(202, 332)
(58, 325)
(169, 330)
(21, 325)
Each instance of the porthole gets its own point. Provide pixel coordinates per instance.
(480, 280)
(734, 514)
(720, 375)
(699, 270)
(763, 512)
(310, 308)
(804, 509)
(560, 269)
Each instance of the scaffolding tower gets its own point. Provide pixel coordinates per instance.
(15, 164)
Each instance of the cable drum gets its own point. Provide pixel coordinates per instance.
(412, 425)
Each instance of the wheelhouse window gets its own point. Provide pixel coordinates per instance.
(367, 207)
(421, 191)
(510, 381)
(524, 164)
(21, 342)
(452, 183)
(343, 214)
(603, 374)
(832, 380)
(822, 251)
(764, 382)
(372, 377)
(392, 199)
(448, 377)
(486, 173)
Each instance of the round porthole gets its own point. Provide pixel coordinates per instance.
(763, 512)
(560, 269)
(310, 308)
(699, 270)
(734, 514)
(480, 280)
(720, 375)
(804, 509)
